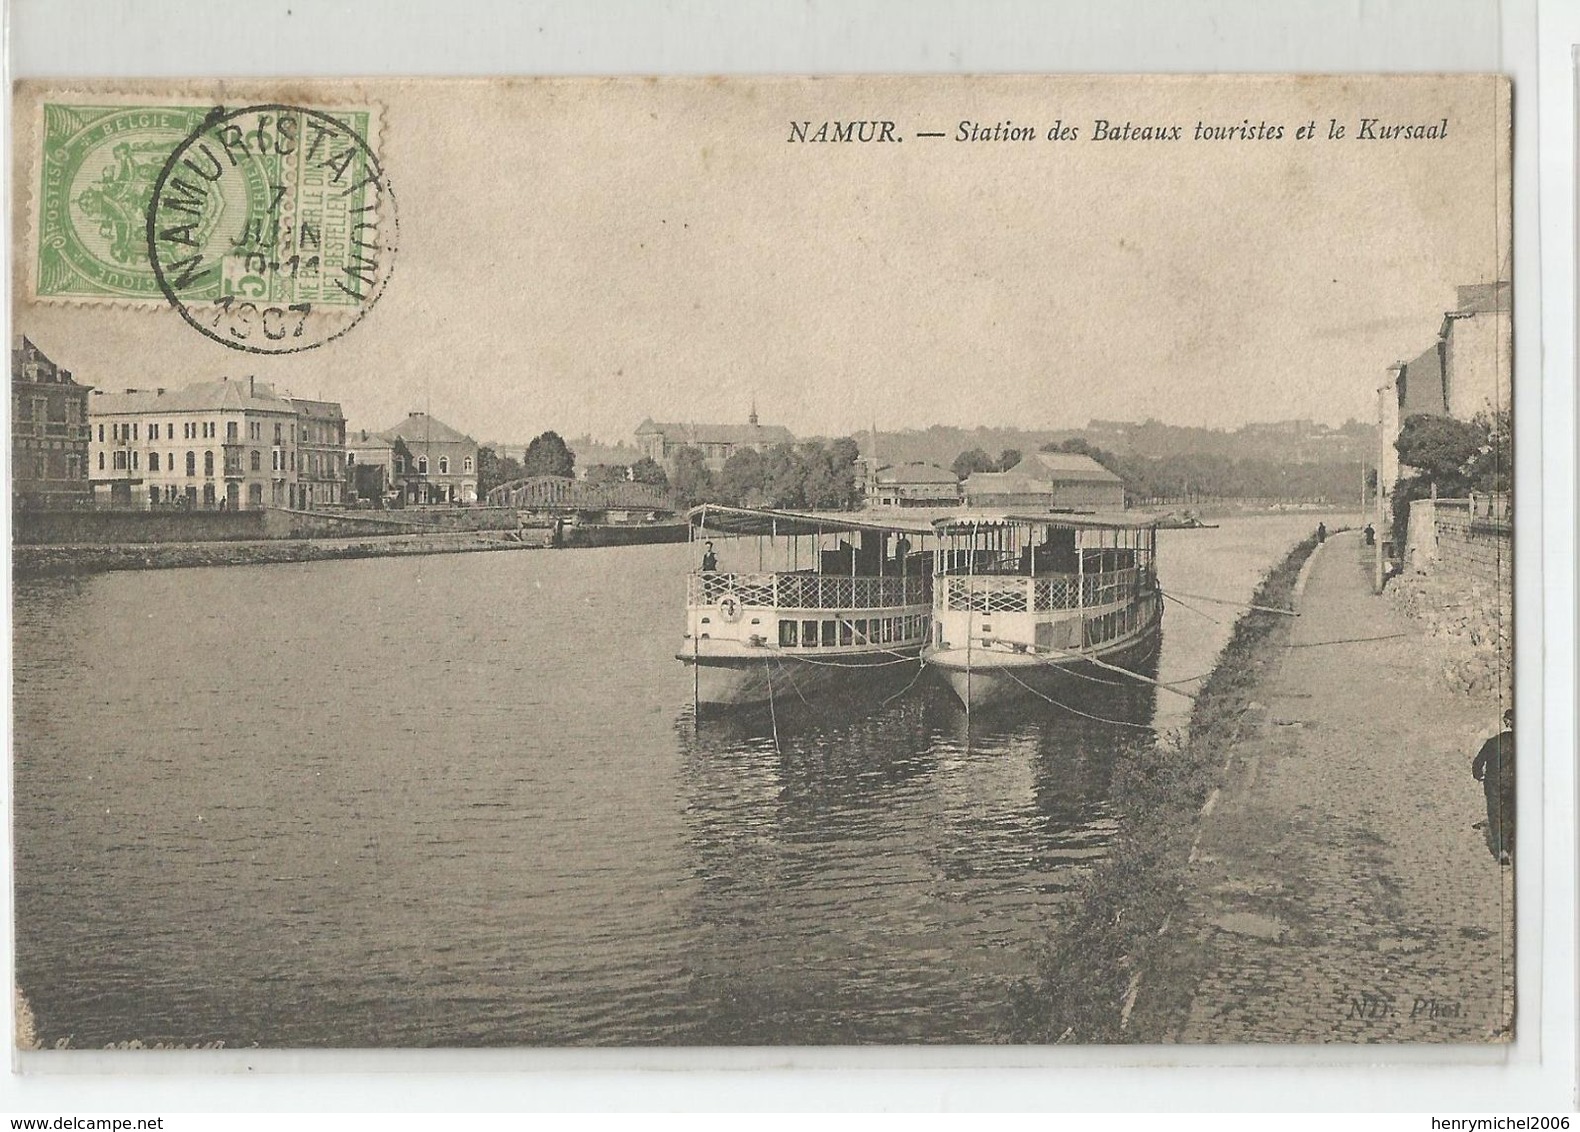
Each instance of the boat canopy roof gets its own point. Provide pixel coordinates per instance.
(965, 521)
(724, 520)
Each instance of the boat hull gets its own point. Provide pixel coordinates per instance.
(723, 682)
(986, 679)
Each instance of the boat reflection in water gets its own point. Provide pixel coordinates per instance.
(953, 848)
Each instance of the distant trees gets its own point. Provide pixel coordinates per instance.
(548, 455)
(1008, 459)
(607, 473)
(494, 469)
(972, 460)
(692, 482)
(649, 471)
(809, 475)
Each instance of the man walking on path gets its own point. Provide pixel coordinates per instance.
(1494, 769)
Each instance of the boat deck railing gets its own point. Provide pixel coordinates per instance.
(998, 593)
(805, 591)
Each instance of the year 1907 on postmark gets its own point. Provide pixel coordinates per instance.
(268, 228)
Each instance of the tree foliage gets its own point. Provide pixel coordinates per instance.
(1440, 448)
(693, 480)
(1452, 459)
(649, 471)
(494, 469)
(972, 460)
(548, 455)
(1008, 458)
(813, 475)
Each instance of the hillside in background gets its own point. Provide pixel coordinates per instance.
(1279, 442)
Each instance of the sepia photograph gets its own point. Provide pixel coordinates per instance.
(737, 562)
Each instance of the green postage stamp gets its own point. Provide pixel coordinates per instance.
(268, 227)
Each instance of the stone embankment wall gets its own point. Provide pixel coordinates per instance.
(39, 561)
(1458, 581)
(112, 528)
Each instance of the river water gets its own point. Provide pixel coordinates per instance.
(462, 800)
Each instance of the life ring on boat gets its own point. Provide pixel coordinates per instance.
(730, 608)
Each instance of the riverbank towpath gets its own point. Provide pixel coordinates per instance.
(1339, 889)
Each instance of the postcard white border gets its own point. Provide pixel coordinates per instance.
(366, 37)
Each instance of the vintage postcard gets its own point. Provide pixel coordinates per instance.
(794, 561)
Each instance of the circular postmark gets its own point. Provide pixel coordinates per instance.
(272, 228)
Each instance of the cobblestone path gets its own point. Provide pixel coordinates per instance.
(1338, 891)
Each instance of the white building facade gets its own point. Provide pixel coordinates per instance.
(220, 445)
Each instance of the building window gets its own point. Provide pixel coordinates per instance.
(257, 461)
(120, 459)
(191, 463)
(208, 463)
(41, 466)
(153, 432)
(444, 465)
(101, 433)
(134, 430)
(351, 458)
(230, 430)
(466, 465)
(422, 465)
(101, 457)
(279, 435)
(400, 465)
(135, 460)
(73, 466)
(153, 461)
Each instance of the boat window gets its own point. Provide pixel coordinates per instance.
(809, 634)
(830, 634)
(888, 630)
(861, 631)
(844, 631)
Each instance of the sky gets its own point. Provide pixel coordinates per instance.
(581, 255)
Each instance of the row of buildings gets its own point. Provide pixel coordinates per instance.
(219, 445)
(1042, 481)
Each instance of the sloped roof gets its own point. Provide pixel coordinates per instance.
(420, 428)
(717, 433)
(1014, 482)
(318, 410)
(364, 438)
(1067, 466)
(208, 396)
(916, 472)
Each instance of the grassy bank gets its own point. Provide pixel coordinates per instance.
(1105, 977)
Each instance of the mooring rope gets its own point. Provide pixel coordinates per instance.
(1242, 604)
(1191, 607)
(773, 712)
(1078, 711)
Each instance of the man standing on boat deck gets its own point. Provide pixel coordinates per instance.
(710, 563)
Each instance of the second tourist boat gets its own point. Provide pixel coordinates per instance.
(1023, 601)
(831, 596)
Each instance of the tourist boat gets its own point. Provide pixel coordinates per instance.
(832, 595)
(1022, 601)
